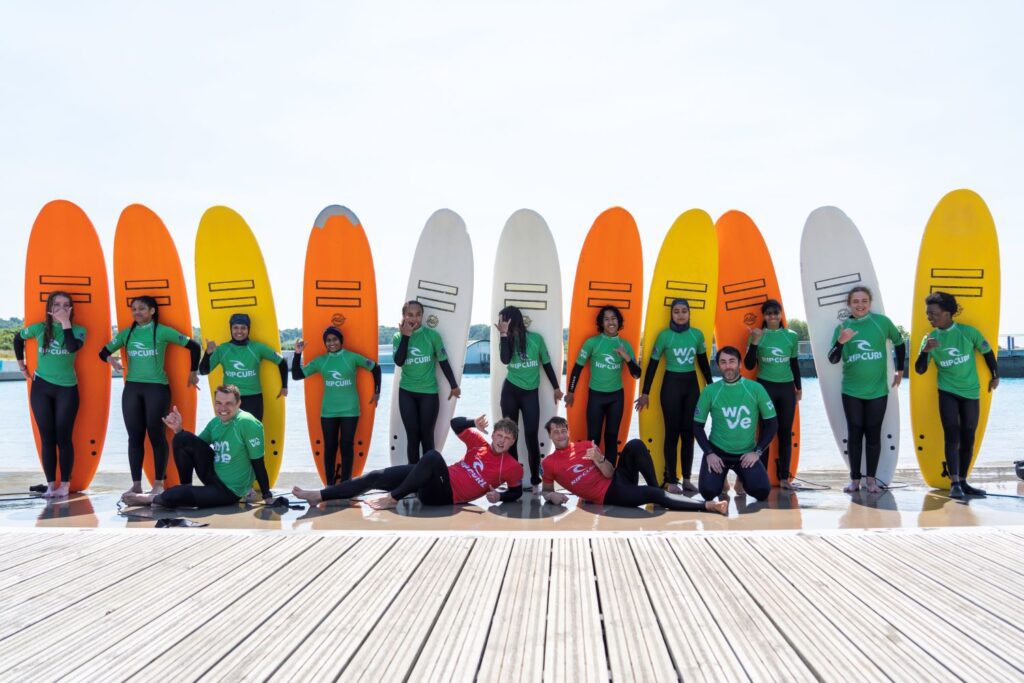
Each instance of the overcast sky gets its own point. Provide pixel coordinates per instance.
(395, 110)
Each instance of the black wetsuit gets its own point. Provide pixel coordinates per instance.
(679, 394)
(755, 478)
(604, 408)
(516, 400)
(193, 454)
(635, 462)
(783, 396)
(253, 403)
(419, 411)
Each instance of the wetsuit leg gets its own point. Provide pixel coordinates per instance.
(970, 409)
(755, 479)
(595, 414)
(510, 408)
(66, 411)
(419, 413)
(331, 427)
(783, 397)
(134, 411)
(193, 454)
(690, 398)
(348, 446)
(428, 479)
(44, 410)
(157, 403)
(383, 480)
(853, 408)
(530, 403)
(253, 404)
(629, 494)
(197, 497)
(672, 413)
(605, 407)
(635, 462)
(949, 415)
(874, 415)
(709, 483)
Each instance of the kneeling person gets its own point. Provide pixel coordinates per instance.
(484, 468)
(735, 406)
(584, 471)
(227, 455)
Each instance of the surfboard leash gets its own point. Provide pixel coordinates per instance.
(807, 485)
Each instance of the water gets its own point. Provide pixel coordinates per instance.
(1001, 443)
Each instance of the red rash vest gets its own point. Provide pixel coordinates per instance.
(572, 471)
(481, 469)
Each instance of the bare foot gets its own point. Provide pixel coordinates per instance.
(137, 498)
(63, 490)
(719, 506)
(136, 488)
(382, 503)
(158, 488)
(252, 496)
(689, 486)
(873, 487)
(787, 485)
(311, 496)
(674, 488)
(738, 487)
(51, 490)
(852, 487)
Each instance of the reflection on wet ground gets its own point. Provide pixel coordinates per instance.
(912, 506)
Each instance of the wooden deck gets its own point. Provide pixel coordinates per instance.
(216, 605)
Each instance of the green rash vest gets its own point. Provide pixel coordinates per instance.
(605, 363)
(426, 350)
(679, 348)
(146, 359)
(865, 357)
(56, 364)
(735, 409)
(773, 353)
(524, 370)
(241, 363)
(341, 398)
(236, 443)
(954, 358)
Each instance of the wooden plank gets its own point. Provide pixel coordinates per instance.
(139, 647)
(697, 646)
(47, 647)
(456, 642)
(877, 646)
(985, 553)
(574, 644)
(942, 641)
(265, 647)
(636, 648)
(324, 653)
(24, 548)
(757, 642)
(54, 562)
(515, 644)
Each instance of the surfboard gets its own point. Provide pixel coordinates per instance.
(527, 275)
(687, 268)
(610, 271)
(833, 260)
(746, 279)
(959, 255)
(340, 290)
(64, 253)
(231, 277)
(441, 278)
(146, 262)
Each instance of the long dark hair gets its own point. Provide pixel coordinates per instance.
(516, 329)
(150, 302)
(48, 332)
(600, 317)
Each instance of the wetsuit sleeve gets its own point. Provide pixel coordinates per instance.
(550, 372)
(505, 350)
(19, 347)
(750, 358)
(113, 345)
(297, 373)
(652, 369)
(465, 429)
(702, 438)
(835, 354)
(769, 428)
(460, 424)
(71, 342)
(794, 366)
(283, 367)
(574, 378)
(194, 351)
(104, 354)
(634, 368)
(512, 494)
(402, 351)
(376, 378)
(259, 468)
(705, 368)
(446, 370)
(992, 363)
(204, 363)
(901, 356)
(921, 364)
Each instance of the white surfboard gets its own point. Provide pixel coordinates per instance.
(833, 260)
(441, 279)
(527, 275)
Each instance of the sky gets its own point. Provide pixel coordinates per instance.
(397, 109)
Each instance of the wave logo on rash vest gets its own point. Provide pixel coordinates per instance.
(239, 370)
(956, 357)
(684, 356)
(478, 465)
(579, 471)
(609, 363)
(866, 353)
(475, 471)
(737, 417)
(336, 380)
(139, 350)
(418, 357)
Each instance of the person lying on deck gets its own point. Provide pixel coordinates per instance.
(582, 469)
(227, 455)
(484, 468)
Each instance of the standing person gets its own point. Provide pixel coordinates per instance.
(585, 472)
(607, 354)
(241, 359)
(524, 353)
(483, 468)
(865, 390)
(339, 410)
(775, 349)
(147, 394)
(417, 350)
(54, 388)
(952, 346)
(685, 350)
(226, 455)
(735, 405)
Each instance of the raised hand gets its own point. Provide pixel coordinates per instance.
(211, 346)
(299, 346)
(481, 423)
(755, 334)
(502, 327)
(846, 335)
(405, 327)
(173, 420)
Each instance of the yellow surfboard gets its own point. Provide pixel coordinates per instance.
(687, 268)
(231, 277)
(959, 255)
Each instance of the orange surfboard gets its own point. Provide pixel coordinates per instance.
(339, 290)
(746, 279)
(64, 253)
(146, 262)
(610, 271)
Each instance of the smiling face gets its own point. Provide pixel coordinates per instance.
(859, 304)
(332, 343)
(938, 317)
(501, 441)
(773, 318)
(729, 365)
(142, 312)
(239, 332)
(559, 435)
(610, 323)
(681, 314)
(226, 406)
(413, 315)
